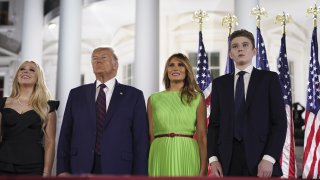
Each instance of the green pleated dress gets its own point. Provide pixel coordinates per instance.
(173, 156)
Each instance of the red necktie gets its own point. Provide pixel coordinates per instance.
(101, 115)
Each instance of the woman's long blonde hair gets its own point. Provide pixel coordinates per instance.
(190, 87)
(40, 94)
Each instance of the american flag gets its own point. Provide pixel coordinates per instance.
(203, 74)
(288, 162)
(229, 64)
(311, 154)
(203, 77)
(261, 57)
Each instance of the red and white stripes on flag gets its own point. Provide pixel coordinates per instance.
(287, 160)
(311, 154)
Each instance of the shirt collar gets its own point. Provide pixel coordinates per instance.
(110, 84)
(247, 69)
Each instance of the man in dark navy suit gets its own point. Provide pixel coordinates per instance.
(105, 126)
(248, 124)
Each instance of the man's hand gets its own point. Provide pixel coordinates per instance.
(265, 169)
(216, 169)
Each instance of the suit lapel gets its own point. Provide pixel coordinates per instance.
(230, 92)
(116, 98)
(254, 81)
(90, 96)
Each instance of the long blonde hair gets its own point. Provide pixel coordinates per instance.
(190, 87)
(40, 94)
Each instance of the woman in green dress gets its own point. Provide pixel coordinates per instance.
(174, 116)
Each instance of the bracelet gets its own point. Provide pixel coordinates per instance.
(45, 173)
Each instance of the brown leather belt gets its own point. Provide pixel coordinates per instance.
(173, 135)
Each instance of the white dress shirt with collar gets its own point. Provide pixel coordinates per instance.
(108, 90)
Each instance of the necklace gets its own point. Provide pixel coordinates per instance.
(21, 103)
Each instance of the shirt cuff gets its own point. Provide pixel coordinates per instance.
(269, 158)
(212, 159)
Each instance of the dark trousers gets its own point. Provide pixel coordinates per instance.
(238, 165)
(97, 164)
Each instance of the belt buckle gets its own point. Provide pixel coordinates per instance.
(172, 135)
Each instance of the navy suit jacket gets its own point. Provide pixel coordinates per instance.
(125, 141)
(265, 120)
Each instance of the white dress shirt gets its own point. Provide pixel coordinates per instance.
(246, 79)
(108, 90)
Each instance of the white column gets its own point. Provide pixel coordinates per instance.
(68, 75)
(242, 10)
(146, 67)
(32, 31)
(68, 68)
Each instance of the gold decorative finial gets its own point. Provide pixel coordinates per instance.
(314, 11)
(229, 20)
(258, 12)
(284, 19)
(200, 15)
